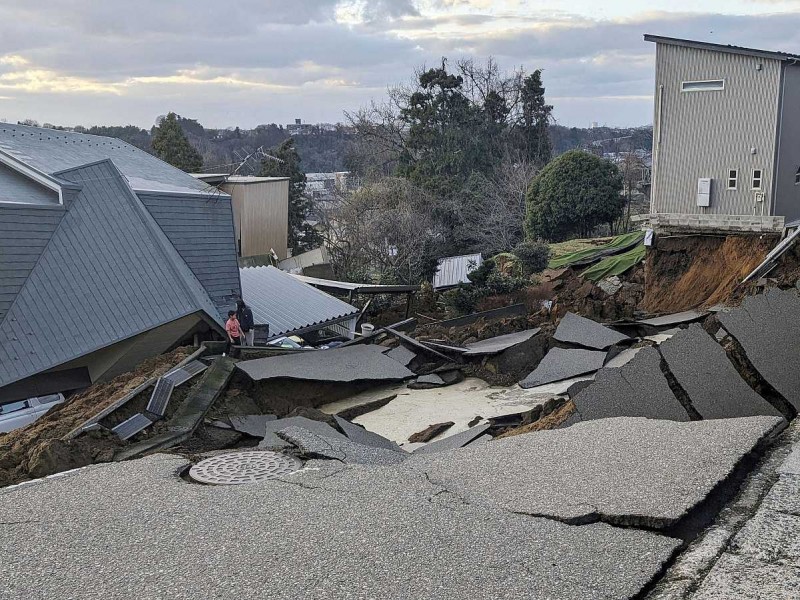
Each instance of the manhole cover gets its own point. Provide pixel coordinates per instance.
(243, 467)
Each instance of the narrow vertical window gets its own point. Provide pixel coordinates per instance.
(797, 177)
(733, 179)
(757, 179)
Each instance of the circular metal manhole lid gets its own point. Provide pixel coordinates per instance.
(243, 467)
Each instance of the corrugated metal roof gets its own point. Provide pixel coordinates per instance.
(287, 304)
(50, 151)
(107, 273)
(454, 270)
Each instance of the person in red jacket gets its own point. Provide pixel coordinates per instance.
(234, 331)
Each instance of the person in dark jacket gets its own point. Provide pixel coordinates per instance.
(245, 316)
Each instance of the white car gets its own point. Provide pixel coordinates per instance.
(21, 413)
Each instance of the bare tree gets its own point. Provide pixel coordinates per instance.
(384, 231)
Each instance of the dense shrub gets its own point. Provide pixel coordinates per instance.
(573, 194)
(533, 256)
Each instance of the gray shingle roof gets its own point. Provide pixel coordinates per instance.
(107, 273)
(51, 151)
(287, 304)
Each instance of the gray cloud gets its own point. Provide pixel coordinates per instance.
(271, 60)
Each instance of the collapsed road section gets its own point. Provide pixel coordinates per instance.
(386, 463)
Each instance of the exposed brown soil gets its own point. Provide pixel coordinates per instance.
(549, 421)
(700, 271)
(37, 450)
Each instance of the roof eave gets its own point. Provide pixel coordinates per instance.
(754, 52)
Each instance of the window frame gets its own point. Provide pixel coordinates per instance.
(699, 88)
(760, 179)
(797, 177)
(733, 175)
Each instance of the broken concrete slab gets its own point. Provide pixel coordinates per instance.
(272, 441)
(637, 389)
(580, 331)
(359, 435)
(625, 471)
(406, 534)
(623, 358)
(768, 326)
(454, 441)
(426, 382)
(402, 355)
(560, 364)
(714, 387)
(353, 363)
(687, 316)
(347, 451)
(253, 425)
(500, 343)
(430, 432)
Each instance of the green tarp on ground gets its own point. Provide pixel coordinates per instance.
(621, 243)
(615, 265)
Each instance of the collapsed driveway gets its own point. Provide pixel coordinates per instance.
(510, 519)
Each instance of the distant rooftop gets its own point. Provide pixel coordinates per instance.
(721, 48)
(52, 150)
(217, 178)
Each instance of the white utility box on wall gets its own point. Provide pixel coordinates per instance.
(704, 191)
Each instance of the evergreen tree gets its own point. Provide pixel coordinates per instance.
(302, 236)
(535, 120)
(171, 145)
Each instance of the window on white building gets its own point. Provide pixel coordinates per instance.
(703, 86)
(733, 178)
(757, 177)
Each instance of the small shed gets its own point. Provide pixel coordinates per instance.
(260, 212)
(453, 270)
(282, 305)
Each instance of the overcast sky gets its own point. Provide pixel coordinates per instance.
(248, 62)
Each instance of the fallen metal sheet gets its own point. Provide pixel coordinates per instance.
(637, 389)
(559, 364)
(131, 426)
(402, 355)
(772, 258)
(500, 343)
(768, 327)
(686, 316)
(157, 405)
(415, 343)
(354, 363)
(253, 425)
(238, 468)
(715, 388)
(359, 435)
(580, 331)
(343, 449)
(454, 441)
(181, 375)
(445, 347)
(631, 471)
(271, 439)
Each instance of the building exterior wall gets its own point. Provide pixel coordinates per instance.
(787, 191)
(15, 187)
(701, 134)
(261, 216)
